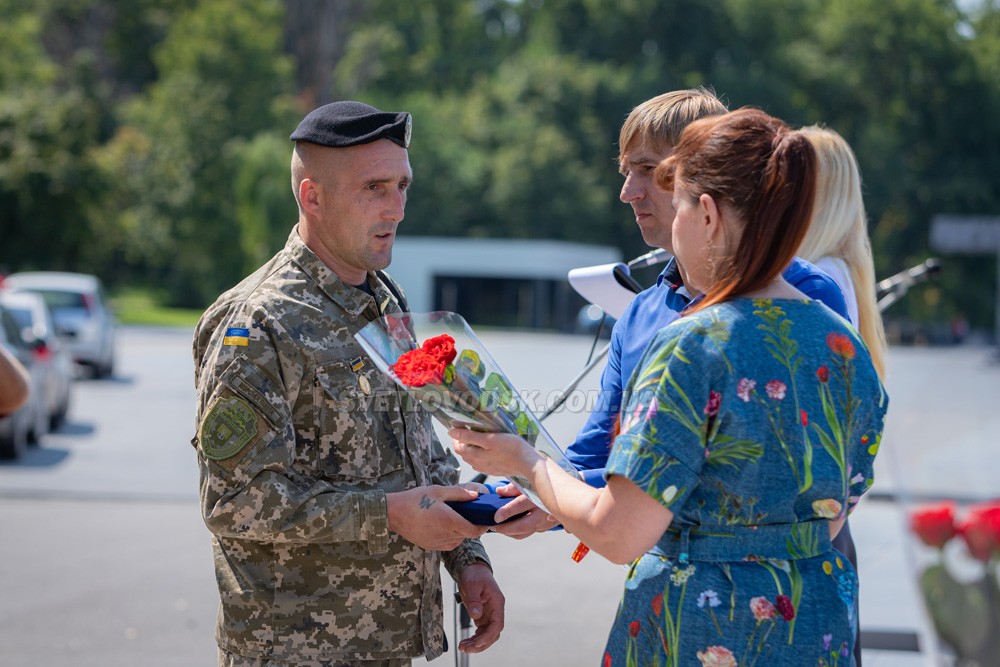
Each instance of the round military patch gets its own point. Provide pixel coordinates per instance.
(230, 424)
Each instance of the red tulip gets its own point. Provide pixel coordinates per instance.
(633, 629)
(934, 524)
(714, 401)
(980, 528)
(784, 605)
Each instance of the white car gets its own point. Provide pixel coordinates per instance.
(81, 313)
(16, 428)
(49, 353)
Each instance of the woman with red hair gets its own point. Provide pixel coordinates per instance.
(748, 431)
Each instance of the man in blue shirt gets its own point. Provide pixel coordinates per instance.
(650, 311)
(648, 136)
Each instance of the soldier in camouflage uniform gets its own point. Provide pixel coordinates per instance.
(323, 488)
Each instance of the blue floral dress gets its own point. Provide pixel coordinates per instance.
(754, 422)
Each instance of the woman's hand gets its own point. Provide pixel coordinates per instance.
(499, 454)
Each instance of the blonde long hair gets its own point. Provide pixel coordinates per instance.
(839, 229)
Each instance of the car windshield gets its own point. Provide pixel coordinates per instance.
(61, 300)
(10, 334)
(21, 315)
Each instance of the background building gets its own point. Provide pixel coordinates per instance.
(496, 282)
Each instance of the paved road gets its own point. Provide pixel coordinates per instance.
(105, 560)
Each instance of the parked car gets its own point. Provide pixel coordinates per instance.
(15, 428)
(81, 313)
(49, 353)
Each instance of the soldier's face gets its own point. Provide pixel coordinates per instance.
(361, 205)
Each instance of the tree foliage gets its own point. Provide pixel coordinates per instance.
(149, 137)
(222, 79)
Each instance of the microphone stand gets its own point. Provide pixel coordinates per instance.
(651, 258)
(895, 287)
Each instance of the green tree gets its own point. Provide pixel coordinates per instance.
(50, 122)
(901, 83)
(262, 192)
(222, 78)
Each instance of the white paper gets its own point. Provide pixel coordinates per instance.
(598, 285)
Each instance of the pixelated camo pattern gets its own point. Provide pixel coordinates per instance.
(295, 497)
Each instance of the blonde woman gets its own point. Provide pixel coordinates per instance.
(837, 239)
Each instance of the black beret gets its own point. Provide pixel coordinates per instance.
(342, 124)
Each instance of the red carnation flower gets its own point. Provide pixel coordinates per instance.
(417, 368)
(441, 348)
(785, 607)
(934, 524)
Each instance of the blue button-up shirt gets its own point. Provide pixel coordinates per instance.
(651, 310)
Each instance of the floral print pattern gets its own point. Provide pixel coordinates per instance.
(726, 404)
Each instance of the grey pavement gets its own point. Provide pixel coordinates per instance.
(104, 560)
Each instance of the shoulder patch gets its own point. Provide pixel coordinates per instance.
(230, 424)
(236, 336)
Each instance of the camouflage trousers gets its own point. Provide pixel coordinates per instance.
(228, 659)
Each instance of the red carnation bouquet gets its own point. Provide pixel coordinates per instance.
(964, 609)
(426, 364)
(439, 361)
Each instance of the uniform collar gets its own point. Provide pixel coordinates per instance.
(346, 296)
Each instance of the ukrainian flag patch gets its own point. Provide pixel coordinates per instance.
(357, 364)
(236, 336)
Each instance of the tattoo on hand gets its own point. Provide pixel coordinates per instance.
(426, 502)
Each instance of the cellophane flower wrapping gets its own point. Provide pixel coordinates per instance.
(440, 362)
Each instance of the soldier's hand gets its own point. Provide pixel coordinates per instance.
(536, 520)
(485, 603)
(421, 517)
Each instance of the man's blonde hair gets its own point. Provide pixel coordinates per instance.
(657, 123)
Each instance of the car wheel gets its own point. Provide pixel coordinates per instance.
(105, 370)
(13, 445)
(39, 427)
(58, 418)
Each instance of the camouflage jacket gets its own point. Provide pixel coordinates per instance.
(299, 438)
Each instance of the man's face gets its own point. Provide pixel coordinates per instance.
(654, 212)
(362, 198)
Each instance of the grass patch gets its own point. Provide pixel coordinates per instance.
(136, 306)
